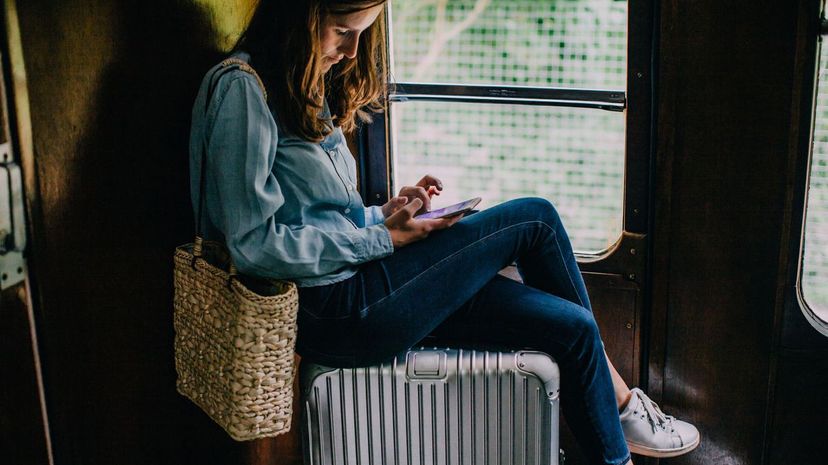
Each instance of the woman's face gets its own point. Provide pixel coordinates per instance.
(340, 34)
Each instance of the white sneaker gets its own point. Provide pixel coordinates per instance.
(652, 433)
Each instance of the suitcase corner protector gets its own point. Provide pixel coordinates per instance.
(543, 367)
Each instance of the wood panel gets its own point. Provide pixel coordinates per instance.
(724, 113)
(111, 87)
(799, 420)
(23, 427)
(797, 415)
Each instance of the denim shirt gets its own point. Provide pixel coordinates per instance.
(285, 207)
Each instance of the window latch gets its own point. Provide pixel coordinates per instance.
(12, 220)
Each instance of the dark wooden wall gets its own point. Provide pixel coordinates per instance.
(728, 98)
(797, 417)
(111, 84)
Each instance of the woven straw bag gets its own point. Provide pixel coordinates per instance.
(234, 336)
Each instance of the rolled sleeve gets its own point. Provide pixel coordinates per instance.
(378, 242)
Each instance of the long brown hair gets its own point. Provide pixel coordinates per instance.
(283, 39)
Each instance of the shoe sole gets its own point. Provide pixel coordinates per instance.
(662, 453)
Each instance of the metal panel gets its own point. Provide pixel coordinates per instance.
(12, 225)
(612, 100)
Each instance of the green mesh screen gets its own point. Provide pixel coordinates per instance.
(573, 157)
(511, 42)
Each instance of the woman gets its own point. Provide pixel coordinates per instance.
(281, 192)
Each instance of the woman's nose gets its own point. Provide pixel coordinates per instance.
(349, 47)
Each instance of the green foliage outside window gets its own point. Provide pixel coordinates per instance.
(572, 157)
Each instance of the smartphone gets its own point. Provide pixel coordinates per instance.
(451, 210)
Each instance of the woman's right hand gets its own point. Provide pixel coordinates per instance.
(405, 229)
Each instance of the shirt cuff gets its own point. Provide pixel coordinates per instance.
(373, 215)
(377, 242)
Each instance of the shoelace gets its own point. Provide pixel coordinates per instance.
(657, 417)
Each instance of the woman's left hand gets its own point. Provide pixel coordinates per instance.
(425, 188)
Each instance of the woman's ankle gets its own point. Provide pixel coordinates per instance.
(623, 400)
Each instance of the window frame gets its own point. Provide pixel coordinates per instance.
(816, 32)
(636, 101)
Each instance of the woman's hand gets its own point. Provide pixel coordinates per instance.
(393, 205)
(425, 188)
(405, 229)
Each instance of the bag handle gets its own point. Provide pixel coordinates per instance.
(225, 66)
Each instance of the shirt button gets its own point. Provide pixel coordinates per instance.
(347, 210)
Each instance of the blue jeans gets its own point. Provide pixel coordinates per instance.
(448, 284)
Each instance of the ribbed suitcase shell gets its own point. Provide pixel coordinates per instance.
(434, 407)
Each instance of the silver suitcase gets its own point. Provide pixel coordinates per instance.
(433, 407)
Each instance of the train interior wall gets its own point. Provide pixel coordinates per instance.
(110, 88)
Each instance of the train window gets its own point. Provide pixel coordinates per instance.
(508, 98)
(814, 274)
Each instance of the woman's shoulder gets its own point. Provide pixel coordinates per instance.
(235, 67)
(230, 88)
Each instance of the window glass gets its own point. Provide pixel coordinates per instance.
(814, 280)
(573, 157)
(549, 43)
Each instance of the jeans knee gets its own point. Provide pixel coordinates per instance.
(588, 336)
(541, 209)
